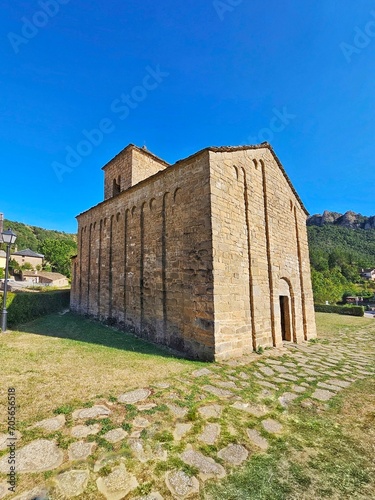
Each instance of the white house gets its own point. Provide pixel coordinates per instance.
(3, 259)
(368, 274)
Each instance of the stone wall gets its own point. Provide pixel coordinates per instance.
(145, 260)
(260, 253)
(128, 168)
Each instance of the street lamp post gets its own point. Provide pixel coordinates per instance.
(7, 237)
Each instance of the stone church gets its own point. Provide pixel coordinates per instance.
(208, 256)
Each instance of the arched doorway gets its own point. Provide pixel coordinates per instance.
(287, 310)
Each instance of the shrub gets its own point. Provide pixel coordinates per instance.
(348, 310)
(27, 267)
(23, 307)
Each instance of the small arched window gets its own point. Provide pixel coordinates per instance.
(116, 186)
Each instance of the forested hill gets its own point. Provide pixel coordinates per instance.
(32, 236)
(358, 245)
(337, 253)
(56, 246)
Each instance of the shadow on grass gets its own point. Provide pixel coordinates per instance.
(77, 328)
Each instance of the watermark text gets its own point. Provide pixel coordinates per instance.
(11, 440)
(279, 121)
(222, 7)
(362, 39)
(121, 107)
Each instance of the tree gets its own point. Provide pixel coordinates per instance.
(13, 264)
(319, 260)
(57, 253)
(336, 259)
(330, 285)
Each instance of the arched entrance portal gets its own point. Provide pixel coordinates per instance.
(287, 310)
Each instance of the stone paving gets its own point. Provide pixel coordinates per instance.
(167, 440)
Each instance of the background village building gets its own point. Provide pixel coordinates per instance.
(27, 255)
(3, 255)
(3, 259)
(208, 256)
(45, 278)
(368, 274)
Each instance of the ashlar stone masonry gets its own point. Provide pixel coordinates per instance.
(208, 256)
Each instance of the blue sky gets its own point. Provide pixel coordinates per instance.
(221, 73)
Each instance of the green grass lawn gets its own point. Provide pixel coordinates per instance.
(56, 360)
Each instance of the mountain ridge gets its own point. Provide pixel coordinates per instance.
(349, 219)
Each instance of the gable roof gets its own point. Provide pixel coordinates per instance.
(2, 253)
(267, 145)
(214, 149)
(140, 150)
(44, 274)
(28, 253)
